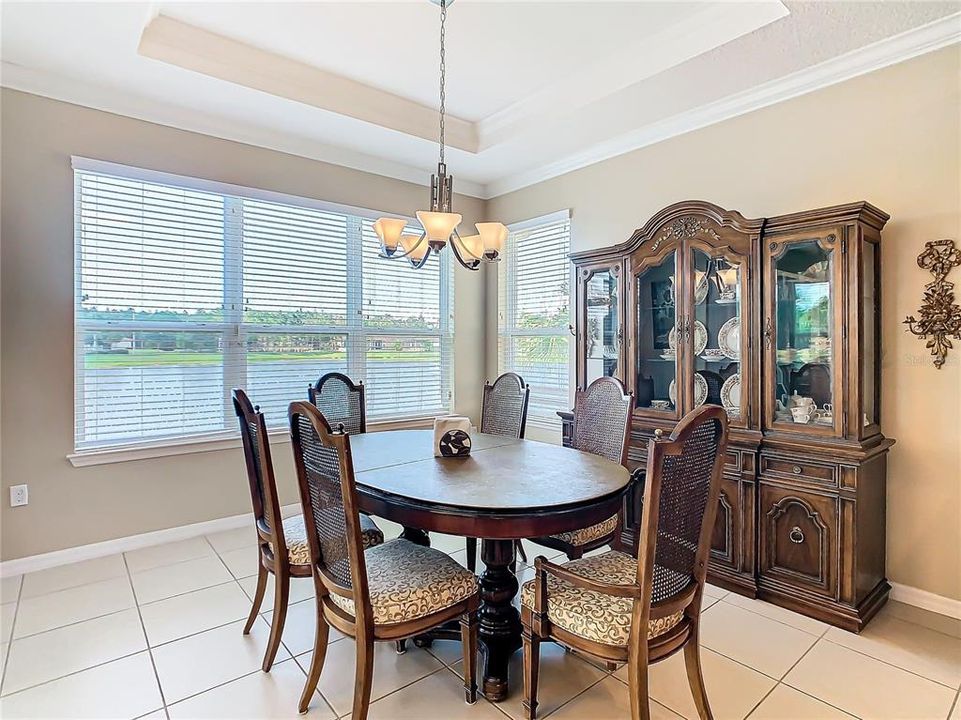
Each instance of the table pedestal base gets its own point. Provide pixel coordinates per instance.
(500, 624)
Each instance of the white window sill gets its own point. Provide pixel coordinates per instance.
(211, 443)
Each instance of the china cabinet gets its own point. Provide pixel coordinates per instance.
(776, 320)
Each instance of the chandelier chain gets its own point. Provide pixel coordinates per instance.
(443, 73)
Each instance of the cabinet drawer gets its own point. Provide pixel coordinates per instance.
(812, 472)
(798, 538)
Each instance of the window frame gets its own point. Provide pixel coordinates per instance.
(234, 329)
(507, 329)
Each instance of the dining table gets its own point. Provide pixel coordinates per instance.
(505, 490)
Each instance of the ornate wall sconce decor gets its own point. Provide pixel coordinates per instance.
(940, 315)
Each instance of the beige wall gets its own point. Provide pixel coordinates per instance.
(74, 506)
(892, 138)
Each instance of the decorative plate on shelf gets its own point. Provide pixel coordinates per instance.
(729, 338)
(731, 395)
(700, 390)
(700, 338)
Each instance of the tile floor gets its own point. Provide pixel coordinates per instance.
(156, 633)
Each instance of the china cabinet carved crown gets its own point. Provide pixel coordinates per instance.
(777, 320)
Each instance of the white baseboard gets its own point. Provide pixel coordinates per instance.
(926, 600)
(33, 563)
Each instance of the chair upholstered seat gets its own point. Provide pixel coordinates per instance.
(295, 535)
(583, 536)
(408, 581)
(592, 615)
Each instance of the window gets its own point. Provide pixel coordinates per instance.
(186, 289)
(534, 295)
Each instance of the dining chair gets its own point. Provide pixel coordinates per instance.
(504, 413)
(281, 543)
(392, 591)
(602, 424)
(341, 400)
(641, 608)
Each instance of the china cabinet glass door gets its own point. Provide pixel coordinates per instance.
(716, 341)
(602, 349)
(803, 334)
(655, 342)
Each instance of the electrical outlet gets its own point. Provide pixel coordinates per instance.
(18, 495)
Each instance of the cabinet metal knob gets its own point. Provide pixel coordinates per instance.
(797, 469)
(796, 536)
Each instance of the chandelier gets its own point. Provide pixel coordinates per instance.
(439, 224)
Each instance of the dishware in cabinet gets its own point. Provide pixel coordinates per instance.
(600, 322)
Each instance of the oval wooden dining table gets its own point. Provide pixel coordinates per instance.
(505, 490)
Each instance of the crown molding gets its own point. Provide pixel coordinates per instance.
(56, 87)
(890, 51)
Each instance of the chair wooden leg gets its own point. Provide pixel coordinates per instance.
(468, 639)
(401, 647)
(575, 553)
(638, 690)
(258, 595)
(695, 678)
(519, 546)
(472, 554)
(532, 662)
(317, 662)
(281, 593)
(363, 677)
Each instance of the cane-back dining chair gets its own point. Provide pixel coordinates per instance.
(391, 591)
(341, 400)
(503, 412)
(640, 608)
(602, 424)
(281, 543)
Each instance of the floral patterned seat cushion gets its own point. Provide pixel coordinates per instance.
(588, 534)
(295, 535)
(408, 581)
(593, 615)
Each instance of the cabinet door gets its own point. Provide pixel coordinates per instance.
(803, 322)
(798, 538)
(600, 319)
(726, 538)
(718, 340)
(655, 350)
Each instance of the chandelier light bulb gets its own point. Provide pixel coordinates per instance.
(474, 246)
(415, 252)
(438, 225)
(389, 231)
(493, 235)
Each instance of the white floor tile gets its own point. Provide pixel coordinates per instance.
(607, 700)
(786, 703)
(7, 613)
(3, 656)
(753, 640)
(714, 591)
(199, 662)
(168, 554)
(300, 625)
(242, 562)
(956, 712)
(930, 654)
(252, 697)
(775, 612)
(300, 589)
(450, 543)
(391, 671)
(125, 688)
(534, 550)
(866, 687)
(49, 655)
(169, 580)
(194, 612)
(10, 588)
(46, 612)
(732, 689)
(73, 575)
(155, 715)
(234, 539)
(440, 695)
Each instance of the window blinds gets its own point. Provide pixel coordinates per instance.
(534, 312)
(183, 293)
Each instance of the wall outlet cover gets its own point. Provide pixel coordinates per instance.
(18, 495)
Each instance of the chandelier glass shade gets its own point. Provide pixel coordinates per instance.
(439, 223)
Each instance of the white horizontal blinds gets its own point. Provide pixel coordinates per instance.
(534, 313)
(406, 333)
(295, 301)
(183, 294)
(150, 316)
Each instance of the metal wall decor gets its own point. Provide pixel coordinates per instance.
(940, 316)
